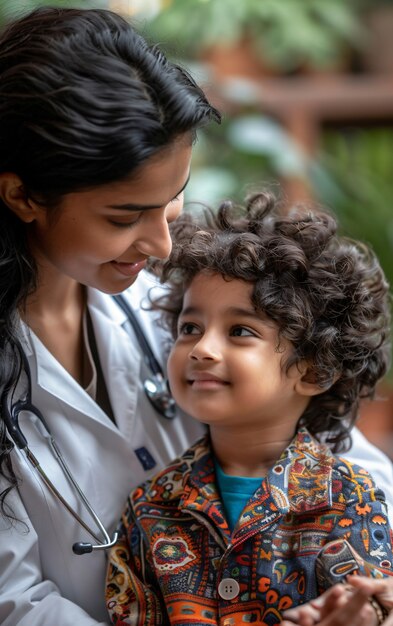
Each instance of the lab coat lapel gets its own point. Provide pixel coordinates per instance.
(52, 378)
(120, 363)
(120, 359)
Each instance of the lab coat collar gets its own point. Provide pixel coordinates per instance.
(120, 362)
(106, 306)
(120, 358)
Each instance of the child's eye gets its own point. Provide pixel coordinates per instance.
(188, 328)
(242, 331)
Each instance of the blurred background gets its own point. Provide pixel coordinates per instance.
(306, 89)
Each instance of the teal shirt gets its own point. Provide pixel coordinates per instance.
(235, 492)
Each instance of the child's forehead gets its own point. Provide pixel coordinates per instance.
(209, 289)
(207, 280)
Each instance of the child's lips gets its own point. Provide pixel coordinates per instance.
(205, 380)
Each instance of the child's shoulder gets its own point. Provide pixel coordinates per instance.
(167, 485)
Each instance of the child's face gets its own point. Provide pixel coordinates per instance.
(226, 366)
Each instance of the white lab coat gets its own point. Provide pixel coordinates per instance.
(41, 581)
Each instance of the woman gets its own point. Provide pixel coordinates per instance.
(95, 143)
(96, 130)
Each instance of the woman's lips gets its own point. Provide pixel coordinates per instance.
(129, 269)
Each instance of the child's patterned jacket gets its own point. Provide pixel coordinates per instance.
(178, 563)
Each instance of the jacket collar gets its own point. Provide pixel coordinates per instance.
(300, 481)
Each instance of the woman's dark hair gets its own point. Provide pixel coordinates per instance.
(327, 295)
(84, 101)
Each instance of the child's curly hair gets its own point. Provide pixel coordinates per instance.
(327, 295)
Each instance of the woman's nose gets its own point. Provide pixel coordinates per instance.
(156, 239)
(159, 242)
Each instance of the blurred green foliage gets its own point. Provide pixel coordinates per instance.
(245, 152)
(10, 9)
(357, 183)
(356, 180)
(287, 34)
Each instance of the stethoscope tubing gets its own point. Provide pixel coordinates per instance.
(36, 465)
(148, 353)
(156, 386)
(11, 419)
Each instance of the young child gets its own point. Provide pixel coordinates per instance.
(280, 329)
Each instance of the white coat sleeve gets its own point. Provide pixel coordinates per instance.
(26, 599)
(365, 454)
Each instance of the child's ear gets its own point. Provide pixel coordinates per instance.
(306, 384)
(13, 194)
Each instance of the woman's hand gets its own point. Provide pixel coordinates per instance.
(380, 588)
(339, 606)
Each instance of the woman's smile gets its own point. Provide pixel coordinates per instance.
(129, 269)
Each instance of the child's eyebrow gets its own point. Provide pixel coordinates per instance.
(235, 311)
(240, 312)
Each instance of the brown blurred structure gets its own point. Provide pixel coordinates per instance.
(305, 102)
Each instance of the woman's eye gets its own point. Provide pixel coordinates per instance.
(241, 331)
(128, 224)
(123, 224)
(187, 328)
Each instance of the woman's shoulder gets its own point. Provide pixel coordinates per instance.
(364, 454)
(353, 482)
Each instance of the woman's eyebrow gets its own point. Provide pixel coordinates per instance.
(143, 207)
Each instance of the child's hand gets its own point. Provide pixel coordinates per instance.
(339, 606)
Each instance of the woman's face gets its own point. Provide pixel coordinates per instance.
(103, 237)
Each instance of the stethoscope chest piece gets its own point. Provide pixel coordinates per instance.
(155, 386)
(156, 390)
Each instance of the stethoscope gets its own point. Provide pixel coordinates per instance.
(156, 386)
(156, 390)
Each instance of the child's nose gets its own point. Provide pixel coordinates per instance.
(207, 347)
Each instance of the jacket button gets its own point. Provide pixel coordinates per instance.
(228, 589)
